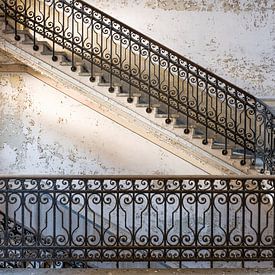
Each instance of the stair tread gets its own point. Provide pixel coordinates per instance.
(221, 145)
(107, 84)
(126, 94)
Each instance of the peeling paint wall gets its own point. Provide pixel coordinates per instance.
(46, 132)
(233, 38)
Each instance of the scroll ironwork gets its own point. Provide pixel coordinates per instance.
(167, 79)
(129, 221)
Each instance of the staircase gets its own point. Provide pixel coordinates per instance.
(192, 102)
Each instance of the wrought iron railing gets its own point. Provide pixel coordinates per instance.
(167, 78)
(124, 221)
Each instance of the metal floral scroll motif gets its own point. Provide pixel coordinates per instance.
(137, 222)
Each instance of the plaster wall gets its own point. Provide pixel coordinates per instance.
(235, 38)
(45, 132)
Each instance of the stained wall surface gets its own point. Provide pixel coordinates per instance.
(233, 38)
(45, 132)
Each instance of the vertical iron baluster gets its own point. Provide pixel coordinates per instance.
(149, 109)
(149, 78)
(111, 88)
(197, 98)
(187, 130)
(120, 53)
(133, 219)
(25, 13)
(92, 77)
(139, 63)
(54, 205)
(159, 76)
(7, 233)
(82, 31)
(35, 46)
(117, 223)
(259, 219)
(44, 18)
(224, 151)
(270, 141)
(168, 119)
(228, 190)
(165, 220)
(243, 244)
(216, 109)
(63, 25)
(243, 161)
(16, 36)
(149, 223)
(181, 220)
(212, 201)
(86, 203)
(196, 233)
(6, 13)
(255, 134)
(101, 43)
(54, 57)
(73, 67)
(101, 219)
(23, 223)
(236, 116)
(264, 149)
(205, 141)
(130, 96)
(38, 235)
(70, 239)
(178, 85)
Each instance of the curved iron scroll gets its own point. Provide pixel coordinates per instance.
(142, 64)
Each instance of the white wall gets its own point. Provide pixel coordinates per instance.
(46, 132)
(235, 39)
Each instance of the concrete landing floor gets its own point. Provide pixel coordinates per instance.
(137, 271)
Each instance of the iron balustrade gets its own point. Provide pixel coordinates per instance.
(137, 221)
(168, 79)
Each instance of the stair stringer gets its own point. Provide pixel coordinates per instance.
(117, 109)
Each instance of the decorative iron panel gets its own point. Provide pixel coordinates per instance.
(163, 75)
(137, 221)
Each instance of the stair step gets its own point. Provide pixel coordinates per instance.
(197, 133)
(238, 153)
(180, 122)
(84, 70)
(88, 74)
(164, 115)
(47, 50)
(259, 163)
(108, 84)
(28, 39)
(143, 102)
(9, 29)
(221, 145)
(84, 74)
(161, 113)
(126, 94)
(69, 63)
